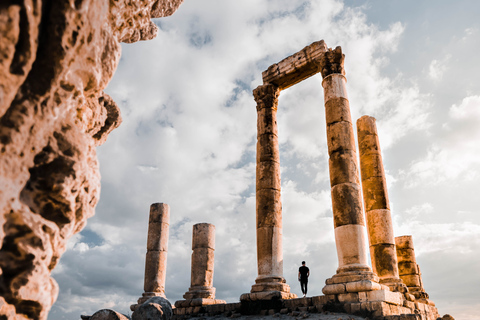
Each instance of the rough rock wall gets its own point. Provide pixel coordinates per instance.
(56, 58)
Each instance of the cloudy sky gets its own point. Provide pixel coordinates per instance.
(189, 132)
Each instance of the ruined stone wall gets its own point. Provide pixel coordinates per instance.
(56, 58)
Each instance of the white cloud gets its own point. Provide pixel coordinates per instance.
(457, 155)
(437, 68)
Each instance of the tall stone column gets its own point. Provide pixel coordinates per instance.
(408, 268)
(201, 291)
(349, 221)
(270, 282)
(377, 207)
(157, 248)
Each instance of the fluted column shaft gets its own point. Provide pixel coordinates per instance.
(157, 248)
(377, 207)
(268, 202)
(348, 215)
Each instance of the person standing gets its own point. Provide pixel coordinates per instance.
(303, 274)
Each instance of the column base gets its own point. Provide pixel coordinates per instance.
(360, 280)
(268, 288)
(145, 296)
(200, 292)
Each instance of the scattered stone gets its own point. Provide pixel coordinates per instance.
(107, 314)
(153, 308)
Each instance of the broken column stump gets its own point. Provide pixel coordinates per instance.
(157, 249)
(377, 207)
(409, 270)
(201, 291)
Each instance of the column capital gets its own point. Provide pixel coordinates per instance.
(266, 96)
(332, 62)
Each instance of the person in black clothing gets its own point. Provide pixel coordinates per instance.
(303, 274)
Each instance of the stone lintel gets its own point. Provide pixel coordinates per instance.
(297, 67)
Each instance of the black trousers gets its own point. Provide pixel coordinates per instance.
(303, 285)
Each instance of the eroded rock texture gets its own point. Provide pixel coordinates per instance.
(56, 58)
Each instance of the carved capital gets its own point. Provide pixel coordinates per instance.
(332, 62)
(266, 96)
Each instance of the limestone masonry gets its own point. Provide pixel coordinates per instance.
(56, 59)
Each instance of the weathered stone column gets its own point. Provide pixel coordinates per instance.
(157, 248)
(377, 207)
(201, 291)
(349, 221)
(270, 282)
(408, 268)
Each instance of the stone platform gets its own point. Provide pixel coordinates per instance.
(377, 304)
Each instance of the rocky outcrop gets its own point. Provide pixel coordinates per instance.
(56, 57)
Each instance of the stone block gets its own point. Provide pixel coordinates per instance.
(233, 306)
(269, 208)
(404, 242)
(375, 193)
(267, 148)
(268, 176)
(407, 267)
(351, 277)
(363, 285)
(386, 296)
(348, 297)
(321, 300)
(284, 311)
(409, 296)
(312, 309)
(334, 289)
(371, 165)
(384, 261)
(303, 309)
(366, 127)
(409, 304)
(337, 109)
(340, 137)
(411, 280)
(267, 121)
(203, 236)
(343, 167)
(379, 223)
(347, 205)
(157, 239)
(179, 311)
(334, 86)
(355, 308)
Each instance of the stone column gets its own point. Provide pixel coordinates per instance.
(349, 221)
(203, 246)
(270, 282)
(157, 248)
(408, 268)
(201, 291)
(377, 207)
